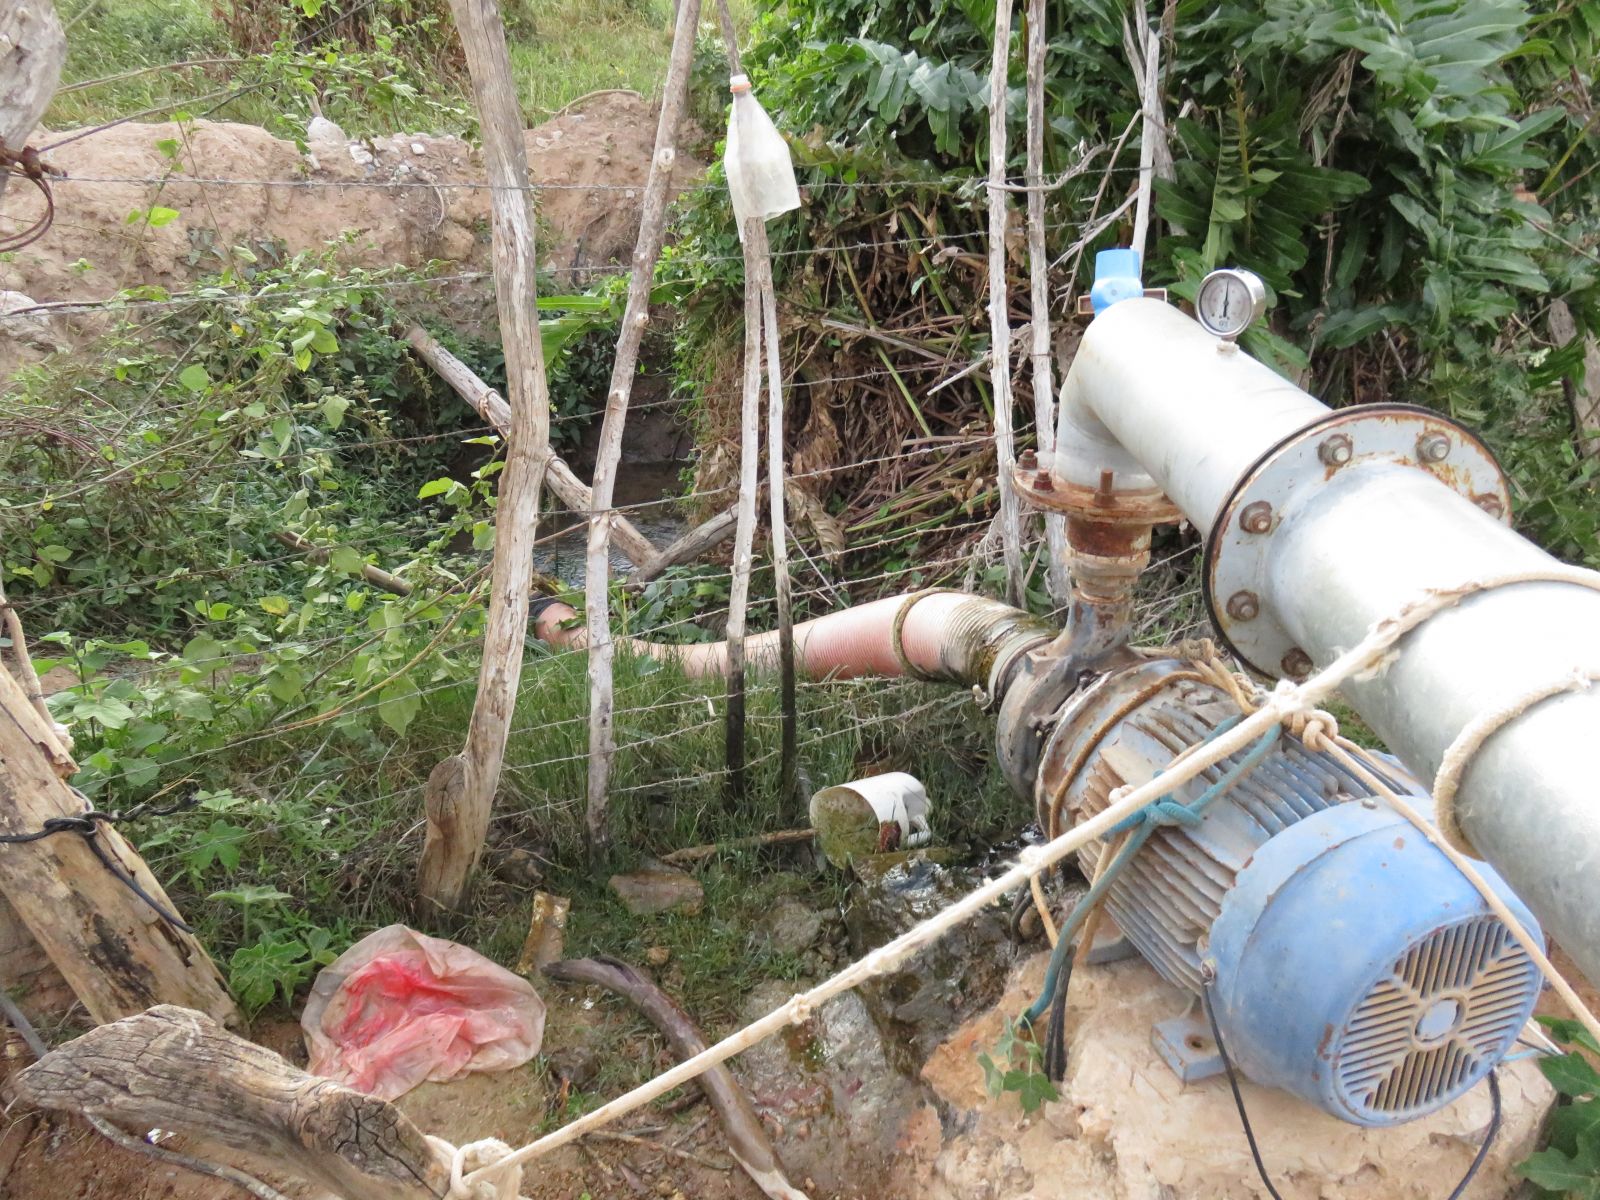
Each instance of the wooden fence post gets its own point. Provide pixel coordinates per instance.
(115, 951)
(32, 49)
(460, 792)
(635, 316)
(1044, 394)
(999, 314)
(790, 766)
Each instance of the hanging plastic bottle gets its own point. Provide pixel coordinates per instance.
(760, 172)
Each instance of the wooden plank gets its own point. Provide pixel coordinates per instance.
(117, 954)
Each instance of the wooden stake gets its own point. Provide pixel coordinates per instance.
(117, 954)
(999, 316)
(1148, 136)
(176, 1069)
(25, 675)
(789, 772)
(1044, 396)
(635, 316)
(491, 406)
(459, 798)
(745, 533)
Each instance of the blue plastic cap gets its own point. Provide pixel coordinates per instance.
(1116, 278)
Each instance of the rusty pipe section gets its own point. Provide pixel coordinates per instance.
(1325, 545)
(950, 637)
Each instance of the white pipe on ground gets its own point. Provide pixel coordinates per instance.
(1150, 397)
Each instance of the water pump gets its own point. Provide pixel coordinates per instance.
(1347, 960)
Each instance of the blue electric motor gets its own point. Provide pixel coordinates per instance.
(1352, 964)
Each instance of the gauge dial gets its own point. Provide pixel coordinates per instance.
(1229, 301)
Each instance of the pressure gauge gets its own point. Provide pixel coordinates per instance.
(1229, 301)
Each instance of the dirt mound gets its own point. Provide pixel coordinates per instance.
(404, 199)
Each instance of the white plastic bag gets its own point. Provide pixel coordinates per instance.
(760, 172)
(399, 1008)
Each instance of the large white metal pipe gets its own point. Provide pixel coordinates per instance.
(1149, 394)
(1352, 550)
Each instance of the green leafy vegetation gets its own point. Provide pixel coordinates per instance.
(1570, 1163)
(1017, 1065)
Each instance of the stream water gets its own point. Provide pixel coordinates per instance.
(562, 555)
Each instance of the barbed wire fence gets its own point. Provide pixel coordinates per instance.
(820, 584)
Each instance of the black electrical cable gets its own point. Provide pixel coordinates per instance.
(1055, 1038)
(87, 825)
(1250, 1134)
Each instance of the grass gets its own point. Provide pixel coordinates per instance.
(560, 50)
(564, 49)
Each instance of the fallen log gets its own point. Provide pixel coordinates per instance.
(177, 1069)
(376, 576)
(688, 547)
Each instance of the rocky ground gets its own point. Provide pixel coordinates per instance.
(861, 1111)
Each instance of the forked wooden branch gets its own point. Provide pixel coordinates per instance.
(492, 407)
(648, 562)
(177, 1069)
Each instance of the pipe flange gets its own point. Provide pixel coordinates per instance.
(1239, 546)
(1041, 488)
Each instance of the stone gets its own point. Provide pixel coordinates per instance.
(1126, 1128)
(579, 1065)
(658, 956)
(659, 890)
(919, 1003)
(789, 927)
(828, 1091)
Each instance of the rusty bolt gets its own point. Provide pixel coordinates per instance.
(1296, 664)
(1256, 517)
(1433, 447)
(1027, 460)
(1337, 450)
(1490, 503)
(1043, 482)
(1244, 606)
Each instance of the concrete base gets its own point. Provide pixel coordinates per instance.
(1126, 1128)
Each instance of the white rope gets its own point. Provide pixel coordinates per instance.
(1463, 751)
(1290, 704)
(494, 1178)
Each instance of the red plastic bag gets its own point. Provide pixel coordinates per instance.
(400, 1008)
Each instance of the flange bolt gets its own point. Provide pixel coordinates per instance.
(1043, 482)
(1433, 447)
(1244, 606)
(1296, 664)
(1027, 460)
(1490, 503)
(1256, 517)
(1335, 451)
